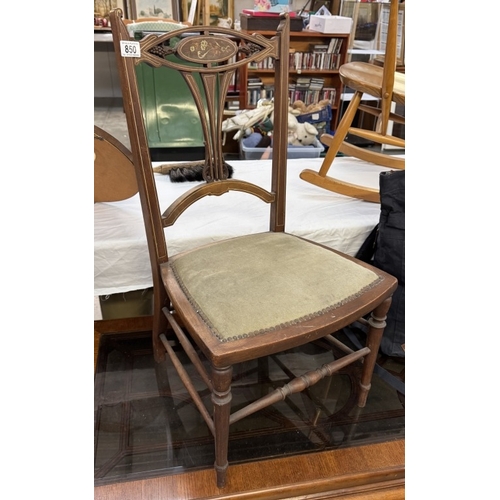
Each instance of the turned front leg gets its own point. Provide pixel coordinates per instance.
(221, 398)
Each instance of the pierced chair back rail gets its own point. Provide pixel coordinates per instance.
(207, 47)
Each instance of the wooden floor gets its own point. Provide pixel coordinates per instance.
(371, 472)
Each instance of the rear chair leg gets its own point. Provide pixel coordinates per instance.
(221, 398)
(374, 338)
(160, 323)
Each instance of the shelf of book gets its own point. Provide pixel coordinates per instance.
(314, 64)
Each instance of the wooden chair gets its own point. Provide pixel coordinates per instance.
(248, 297)
(388, 86)
(114, 180)
(114, 173)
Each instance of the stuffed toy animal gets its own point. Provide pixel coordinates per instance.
(304, 134)
(299, 134)
(245, 120)
(300, 107)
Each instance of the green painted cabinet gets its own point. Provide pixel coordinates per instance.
(172, 123)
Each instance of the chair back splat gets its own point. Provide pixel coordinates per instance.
(247, 297)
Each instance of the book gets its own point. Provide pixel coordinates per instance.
(318, 47)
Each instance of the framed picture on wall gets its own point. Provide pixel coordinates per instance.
(162, 9)
(102, 8)
(218, 9)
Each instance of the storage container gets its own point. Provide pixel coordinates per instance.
(321, 119)
(330, 24)
(293, 152)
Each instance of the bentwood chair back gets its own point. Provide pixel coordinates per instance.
(388, 86)
(114, 173)
(244, 298)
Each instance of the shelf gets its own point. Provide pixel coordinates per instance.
(302, 42)
(298, 71)
(103, 36)
(365, 51)
(300, 34)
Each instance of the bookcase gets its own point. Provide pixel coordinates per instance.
(314, 64)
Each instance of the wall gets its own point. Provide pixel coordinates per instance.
(106, 79)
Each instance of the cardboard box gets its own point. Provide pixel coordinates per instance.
(330, 24)
(127, 304)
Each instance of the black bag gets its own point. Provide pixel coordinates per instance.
(385, 249)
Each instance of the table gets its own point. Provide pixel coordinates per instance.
(121, 258)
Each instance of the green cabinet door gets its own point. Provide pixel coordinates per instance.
(170, 112)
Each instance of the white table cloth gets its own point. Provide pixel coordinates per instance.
(121, 258)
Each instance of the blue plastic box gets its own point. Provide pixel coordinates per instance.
(247, 153)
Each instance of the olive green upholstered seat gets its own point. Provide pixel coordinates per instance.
(251, 285)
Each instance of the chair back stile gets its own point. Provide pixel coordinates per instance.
(137, 133)
(280, 133)
(157, 246)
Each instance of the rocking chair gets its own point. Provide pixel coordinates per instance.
(387, 85)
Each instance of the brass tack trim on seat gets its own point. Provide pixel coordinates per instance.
(279, 326)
